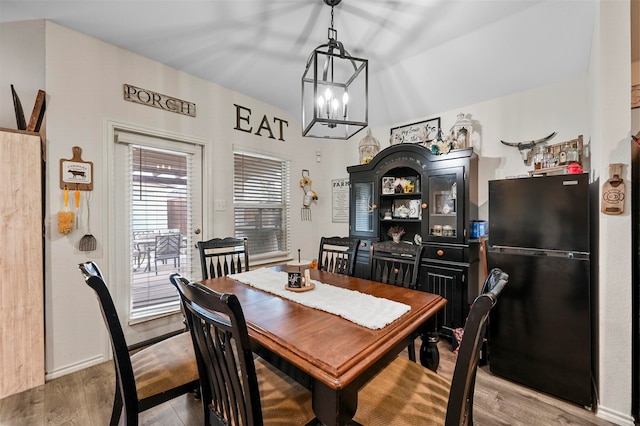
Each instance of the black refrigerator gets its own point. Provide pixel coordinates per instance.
(540, 331)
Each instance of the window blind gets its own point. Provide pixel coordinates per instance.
(261, 198)
(160, 204)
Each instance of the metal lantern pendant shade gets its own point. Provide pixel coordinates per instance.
(335, 91)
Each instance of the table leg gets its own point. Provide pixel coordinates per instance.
(334, 407)
(429, 355)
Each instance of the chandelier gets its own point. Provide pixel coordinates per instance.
(335, 92)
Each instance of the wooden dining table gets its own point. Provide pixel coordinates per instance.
(330, 355)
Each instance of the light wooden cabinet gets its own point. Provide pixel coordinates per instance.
(21, 263)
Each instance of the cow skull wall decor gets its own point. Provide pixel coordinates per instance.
(526, 147)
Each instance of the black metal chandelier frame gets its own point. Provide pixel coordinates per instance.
(325, 121)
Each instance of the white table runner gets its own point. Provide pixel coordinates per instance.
(360, 308)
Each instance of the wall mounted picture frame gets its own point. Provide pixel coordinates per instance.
(421, 132)
(76, 173)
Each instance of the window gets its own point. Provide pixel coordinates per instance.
(261, 198)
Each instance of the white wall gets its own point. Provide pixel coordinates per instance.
(610, 82)
(24, 71)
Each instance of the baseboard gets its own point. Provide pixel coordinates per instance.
(72, 368)
(614, 417)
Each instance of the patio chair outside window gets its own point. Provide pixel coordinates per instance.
(167, 248)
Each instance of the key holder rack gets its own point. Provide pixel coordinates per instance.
(76, 173)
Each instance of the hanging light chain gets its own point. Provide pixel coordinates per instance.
(331, 16)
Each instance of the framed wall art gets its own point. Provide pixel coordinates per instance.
(340, 200)
(76, 173)
(421, 132)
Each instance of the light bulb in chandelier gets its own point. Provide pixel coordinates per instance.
(345, 101)
(329, 105)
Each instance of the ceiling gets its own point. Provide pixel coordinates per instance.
(425, 56)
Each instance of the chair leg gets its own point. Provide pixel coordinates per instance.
(116, 412)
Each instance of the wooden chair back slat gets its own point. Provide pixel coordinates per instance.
(395, 263)
(223, 256)
(338, 255)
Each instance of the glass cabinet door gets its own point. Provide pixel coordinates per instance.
(446, 204)
(363, 209)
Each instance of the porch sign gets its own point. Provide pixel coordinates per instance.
(158, 100)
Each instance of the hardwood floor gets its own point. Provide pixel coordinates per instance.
(500, 402)
(84, 398)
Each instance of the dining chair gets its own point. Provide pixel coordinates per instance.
(149, 377)
(223, 256)
(338, 254)
(397, 264)
(404, 392)
(236, 388)
(167, 247)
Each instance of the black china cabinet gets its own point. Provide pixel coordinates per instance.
(433, 198)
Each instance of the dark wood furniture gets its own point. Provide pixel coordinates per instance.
(156, 374)
(420, 396)
(230, 391)
(223, 256)
(397, 264)
(435, 210)
(338, 254)
(330, 355)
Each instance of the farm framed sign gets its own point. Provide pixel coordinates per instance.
(75, 173)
